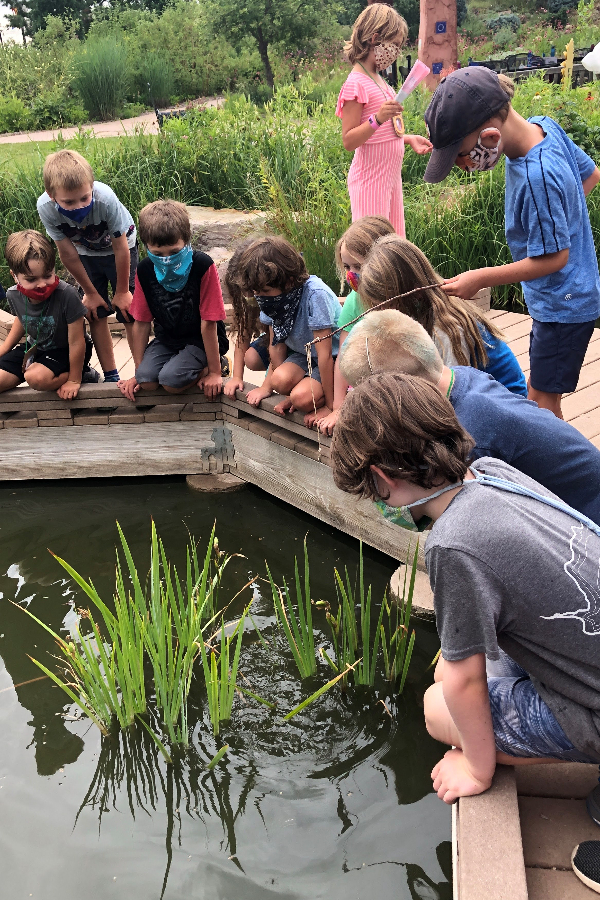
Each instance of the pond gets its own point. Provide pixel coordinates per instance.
(336, 803)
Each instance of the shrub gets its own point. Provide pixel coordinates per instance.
(14, 115)
(503, 21)
(504, 38)
(157, 73)
(53, 109)
(102, 76)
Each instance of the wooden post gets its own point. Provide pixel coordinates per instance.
(437, 39)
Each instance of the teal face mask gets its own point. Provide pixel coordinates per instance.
(402, 515)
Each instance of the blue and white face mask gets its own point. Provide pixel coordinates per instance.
(172, 271)
(77, 215)
(402, 515)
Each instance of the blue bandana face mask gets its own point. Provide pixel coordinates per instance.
(402, 515)
(77, 215)
(172, 271)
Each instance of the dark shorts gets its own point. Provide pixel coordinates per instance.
(57, 359)
(262, 348)
(556, 352)
(102, 271)
(171, 368)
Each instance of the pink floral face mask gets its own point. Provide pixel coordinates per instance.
(385, 55)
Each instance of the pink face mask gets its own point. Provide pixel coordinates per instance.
(385, 55)
(353, 278)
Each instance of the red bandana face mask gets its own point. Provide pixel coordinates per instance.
(39, 294)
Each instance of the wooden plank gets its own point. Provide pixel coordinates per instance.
(590, 374)
(103, 392)
(22, 420)
(551, 884)
(490, 851)
(581, 402)
(98, 451)
(308, 485)
(517, 330)
(552, 828)
(570, 781)
(588, 424)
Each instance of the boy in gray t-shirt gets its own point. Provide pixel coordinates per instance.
(46, 346)
(515, 580)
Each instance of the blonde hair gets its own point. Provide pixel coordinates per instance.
(395, 266)
(23, 246)
(388, 341)
(164, 222)
(377, 19)
(360, 237)
(66, 169)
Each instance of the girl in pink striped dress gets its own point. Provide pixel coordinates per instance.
(371, 119)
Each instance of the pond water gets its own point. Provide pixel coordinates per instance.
(336, 803)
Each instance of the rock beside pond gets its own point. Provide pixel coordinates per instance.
(223, 227)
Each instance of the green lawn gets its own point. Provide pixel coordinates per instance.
(13, 156)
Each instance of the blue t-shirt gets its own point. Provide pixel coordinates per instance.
(546, 212)
(107, 218)
(502, 364)
(319, 308)
(531, 439)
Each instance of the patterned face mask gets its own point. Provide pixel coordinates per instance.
(282, 310)
(353, 278)
(483, 158)
(172, 271)
(402, 515)
(385, 55)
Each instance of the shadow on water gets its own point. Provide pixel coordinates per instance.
(334, 803)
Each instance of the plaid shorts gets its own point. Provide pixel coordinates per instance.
(523, 724)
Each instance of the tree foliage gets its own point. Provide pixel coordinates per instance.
(295, 23)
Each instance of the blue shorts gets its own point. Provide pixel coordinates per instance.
(556, 352)
(299, 359)
(262, 348)
(523, 724)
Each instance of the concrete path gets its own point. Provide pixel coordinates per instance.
(147, 121)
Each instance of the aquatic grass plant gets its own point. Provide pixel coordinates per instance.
(221, 677)
(157, 627)
(397, 643)
(298, 631)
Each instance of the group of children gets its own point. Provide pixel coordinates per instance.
(514, 552)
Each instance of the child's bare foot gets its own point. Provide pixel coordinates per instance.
(286, 406)
(312, 418)
(327, 423)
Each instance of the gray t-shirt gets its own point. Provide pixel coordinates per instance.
(319, 308)
(46, 324)
(108, 218)
(509, 571)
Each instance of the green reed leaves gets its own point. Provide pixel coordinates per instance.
(221, 677)
(298, 631)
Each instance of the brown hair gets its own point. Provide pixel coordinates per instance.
(66, 169)
(246, 322)
(508, 86)
(395, 266)
(164, 222)
(404, 426)
(23, 246)
(359, 239)
(377, 19)
(270, 262)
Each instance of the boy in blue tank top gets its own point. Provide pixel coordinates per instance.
(471, 122)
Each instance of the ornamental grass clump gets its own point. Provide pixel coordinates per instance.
(298, 631)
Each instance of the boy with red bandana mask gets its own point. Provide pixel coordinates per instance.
(49, 316)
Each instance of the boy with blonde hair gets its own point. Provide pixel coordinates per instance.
(179, 289)
(503, 424)
(49, 315)
(96, 240)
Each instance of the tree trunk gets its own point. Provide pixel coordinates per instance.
(263, 49)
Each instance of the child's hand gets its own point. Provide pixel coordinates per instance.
(465, 285)
(211, 384)
(453, 778)
(129, 388)
(388, 110)
(69, 390)
(122, 301)
(327, 423)
(92, 302)
(312, 418)
(418, 144)
(254, 397)
(233, 385)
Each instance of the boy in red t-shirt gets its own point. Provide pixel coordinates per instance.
(179, 289)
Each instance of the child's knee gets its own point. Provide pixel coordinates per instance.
(283, 380)
(253, 361)
(39, 377)
(306, 395)
(436, 712)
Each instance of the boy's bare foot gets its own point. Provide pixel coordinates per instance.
(313, 418)
(69, 390)
(327, 423)
(129, 388)
(286, 406)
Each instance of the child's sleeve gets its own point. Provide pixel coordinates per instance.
(49, 218)
(74, 308)
(352, 89)
(545, 213)
(212, 308)
(139, 309)
(585, 163)
(322, 312)
(117, 218)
